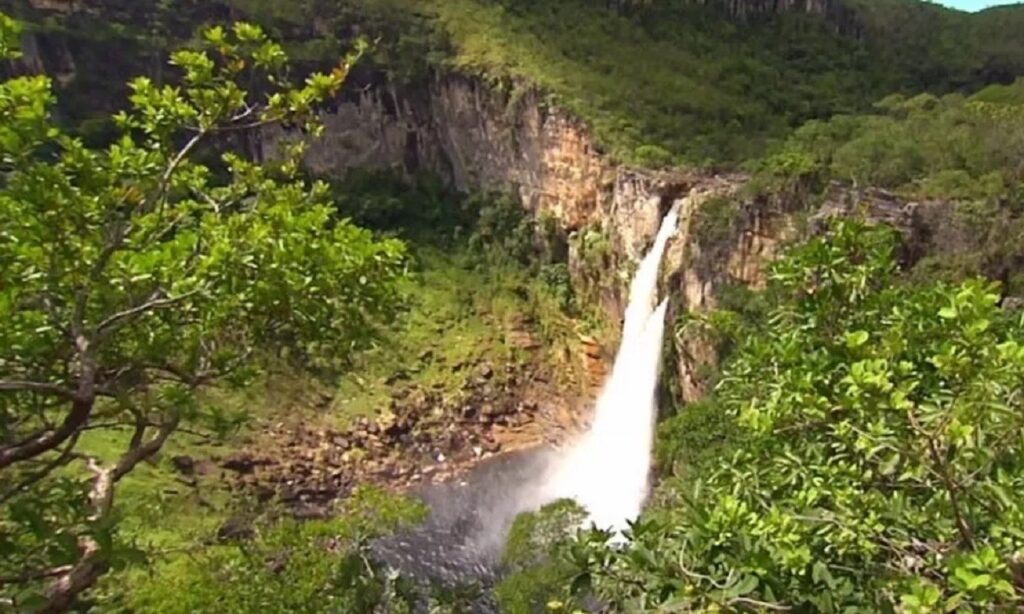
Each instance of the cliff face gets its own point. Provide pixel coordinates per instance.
(478, 139)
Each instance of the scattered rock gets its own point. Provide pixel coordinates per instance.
(183, 464)
(263, 493)
(278, 563)
(591, 347)
(309, 511)
(236, 528)
(423, 432)
(523, 340)
(396, 377)
(242, 463)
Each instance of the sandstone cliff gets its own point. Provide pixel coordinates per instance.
(477, 138)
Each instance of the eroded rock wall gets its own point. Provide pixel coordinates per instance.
(478, 138)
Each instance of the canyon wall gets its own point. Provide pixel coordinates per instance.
(480, 139)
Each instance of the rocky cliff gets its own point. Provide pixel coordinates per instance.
(477, 138)
(481, 139)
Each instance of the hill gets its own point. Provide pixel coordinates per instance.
(662, 82)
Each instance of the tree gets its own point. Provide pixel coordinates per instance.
(135, 275)
(876, 460)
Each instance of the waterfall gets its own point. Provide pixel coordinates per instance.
(607, 469)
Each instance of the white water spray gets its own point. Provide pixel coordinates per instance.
(607, 470)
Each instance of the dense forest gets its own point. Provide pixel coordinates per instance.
(232, 383)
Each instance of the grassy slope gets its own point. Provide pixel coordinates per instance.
(458, 312)
(683, 80)
(672, 82)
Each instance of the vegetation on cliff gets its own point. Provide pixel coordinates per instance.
(658, 83)
(963, 150)
(866, 438)
(677, 82)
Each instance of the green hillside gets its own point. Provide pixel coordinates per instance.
(663, 82)
(671, 81)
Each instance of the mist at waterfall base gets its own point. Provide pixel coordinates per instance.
(606, 470)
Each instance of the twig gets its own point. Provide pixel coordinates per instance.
(152, 304)
(30, 576)
(64, 458)
(91, 565)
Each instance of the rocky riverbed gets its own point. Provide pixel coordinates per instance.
(425, 437)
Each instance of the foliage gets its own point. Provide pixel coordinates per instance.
(690, 442)
(558, 282)
(535, 575)
(881, 459)
(714, 221)
(290, 566)
(954, 147)
(419, 208)
(503, 228)
(722, 89)
(139, 275)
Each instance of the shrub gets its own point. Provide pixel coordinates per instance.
(882, 457)
(289, 567)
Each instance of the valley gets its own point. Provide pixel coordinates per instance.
(347, 343)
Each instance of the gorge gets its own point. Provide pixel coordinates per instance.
(615, 252)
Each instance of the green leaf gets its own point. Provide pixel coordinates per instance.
(745, 586)
(857, 339)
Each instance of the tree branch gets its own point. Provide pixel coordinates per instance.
(151, 304)
(30, 576)
(64, 458)
(50, 439)
(40, 387)
(178, 159)
(82, 575)
(942, 470)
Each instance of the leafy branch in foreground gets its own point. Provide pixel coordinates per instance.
(882, 458)
(136, 275)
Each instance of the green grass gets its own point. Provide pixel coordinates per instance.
(461, 313)
(160, 510)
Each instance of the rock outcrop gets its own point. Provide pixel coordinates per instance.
(481, 139)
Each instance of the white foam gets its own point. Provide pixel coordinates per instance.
(607, 470)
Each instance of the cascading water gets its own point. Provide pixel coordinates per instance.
(607, 470)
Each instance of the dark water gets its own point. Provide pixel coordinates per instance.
(462, 540)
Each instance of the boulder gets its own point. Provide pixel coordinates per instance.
(183, 464)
